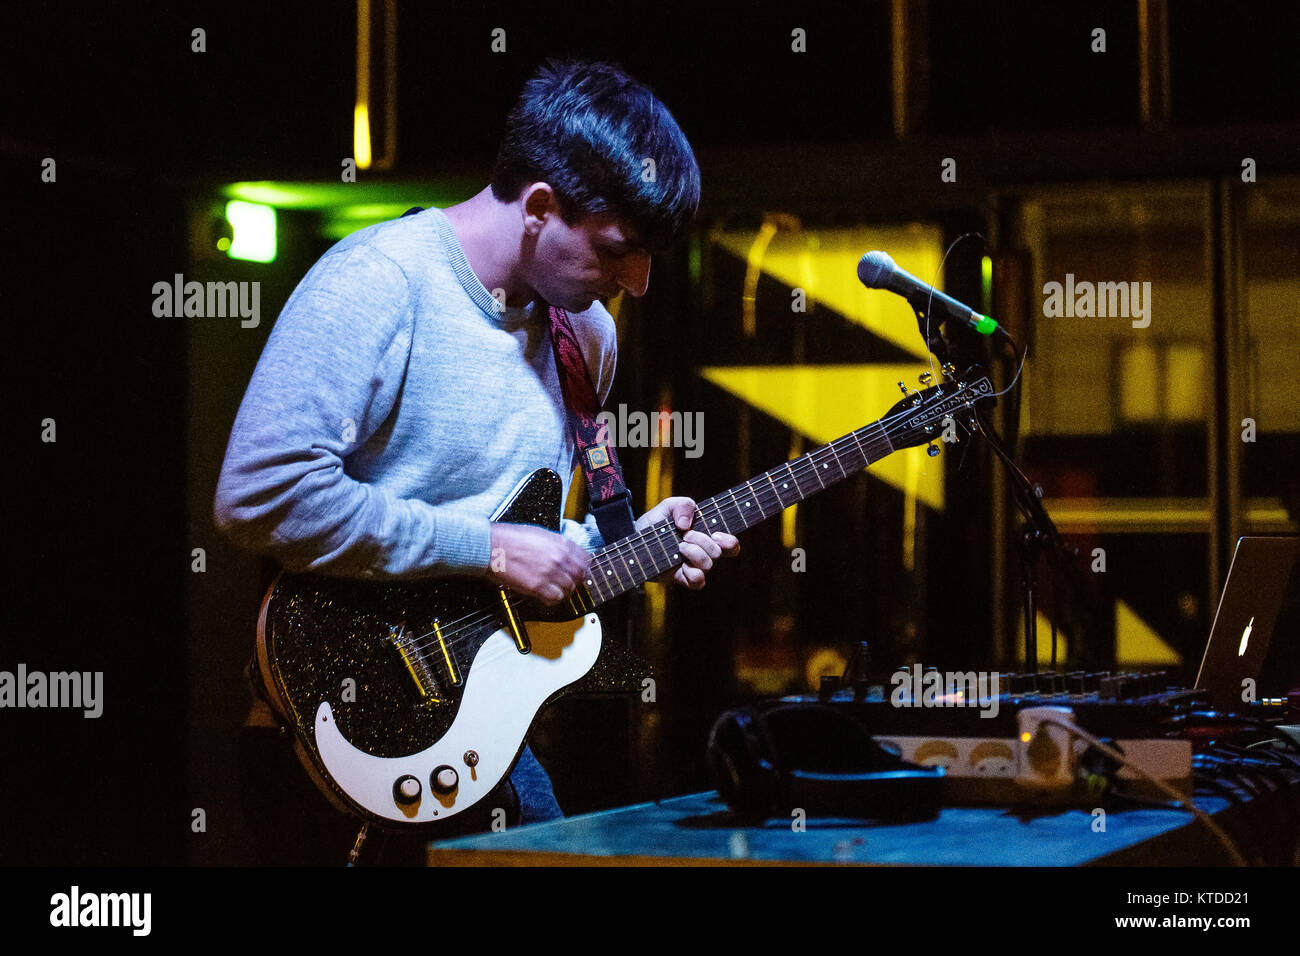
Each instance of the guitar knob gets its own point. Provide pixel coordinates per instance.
(406, 790)
(444, 779)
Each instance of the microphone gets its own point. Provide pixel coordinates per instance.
(877, 271)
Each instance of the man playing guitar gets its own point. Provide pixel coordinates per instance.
(409, 384)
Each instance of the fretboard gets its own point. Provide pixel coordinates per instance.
(638, 558)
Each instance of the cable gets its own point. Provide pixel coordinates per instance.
(929, 303)
(1180, 801)
(1233, 772)
(1242, 832)
(1260, 784)
(1211, 782)
(1246, 754)
(1259, 779)
(1276, 754)
(1286, 804)
(1261, 725)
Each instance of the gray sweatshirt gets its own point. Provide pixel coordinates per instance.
(393, 410)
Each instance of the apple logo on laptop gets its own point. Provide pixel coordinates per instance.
(1245, 638)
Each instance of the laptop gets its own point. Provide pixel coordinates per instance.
(1256, 630)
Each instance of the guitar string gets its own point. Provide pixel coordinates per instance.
(456, 632)
(626, 545)
(459, 630)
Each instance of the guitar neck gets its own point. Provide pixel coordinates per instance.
(629, 563)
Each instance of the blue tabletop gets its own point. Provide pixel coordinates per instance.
(698, 829)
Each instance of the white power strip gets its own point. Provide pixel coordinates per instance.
(1000, 769)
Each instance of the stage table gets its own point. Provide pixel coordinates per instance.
(698, 830)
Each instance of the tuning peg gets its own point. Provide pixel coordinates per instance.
(931, 450)
(902, 387)
(927, 379)
(949, 370)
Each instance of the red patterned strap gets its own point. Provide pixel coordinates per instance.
(611, 502)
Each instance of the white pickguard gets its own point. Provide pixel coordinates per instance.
(502, 694)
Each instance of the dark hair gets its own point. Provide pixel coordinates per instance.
(587, 129)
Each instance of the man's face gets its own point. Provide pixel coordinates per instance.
(597, 258)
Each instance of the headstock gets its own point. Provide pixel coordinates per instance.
(922, 417)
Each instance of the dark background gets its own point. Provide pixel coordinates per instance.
(101, 523)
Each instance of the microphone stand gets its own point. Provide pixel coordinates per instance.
(1038, 534)
(939, 347)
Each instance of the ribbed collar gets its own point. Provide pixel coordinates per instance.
(506, 317)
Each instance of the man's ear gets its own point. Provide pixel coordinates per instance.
(538, 200)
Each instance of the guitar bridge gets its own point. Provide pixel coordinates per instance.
(415, 663)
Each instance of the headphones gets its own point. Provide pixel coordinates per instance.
(776, 757)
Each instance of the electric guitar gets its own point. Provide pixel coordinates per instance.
(410, 700)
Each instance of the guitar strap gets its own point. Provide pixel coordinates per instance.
(610, 501)
(617, 670)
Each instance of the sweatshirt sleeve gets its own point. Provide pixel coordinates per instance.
(585, 535)
(327, 379)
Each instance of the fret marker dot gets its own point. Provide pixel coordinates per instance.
(746, 504)
(715, 520)
(785, 485)
(607, 573)
(631, 560)
(823, 466)
(588, 580)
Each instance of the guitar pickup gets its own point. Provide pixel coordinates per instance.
(415, 664)
(514, 625)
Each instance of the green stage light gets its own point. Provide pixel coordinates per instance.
(254, 231)
(343, 208)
